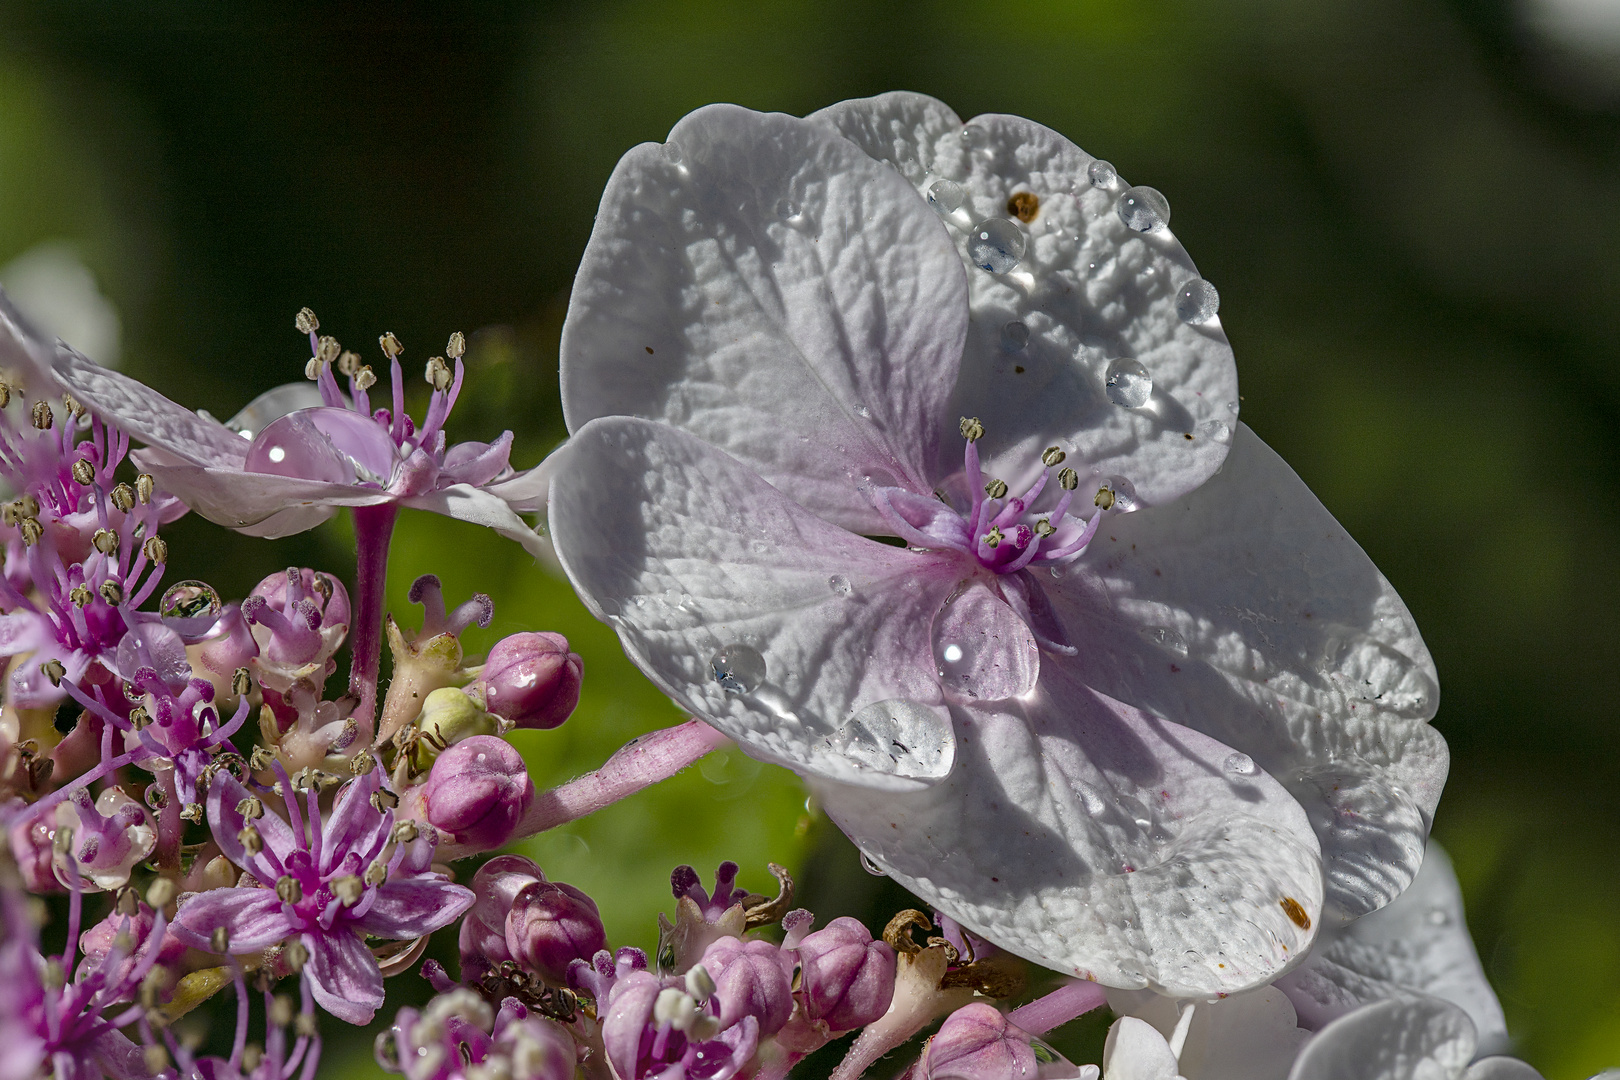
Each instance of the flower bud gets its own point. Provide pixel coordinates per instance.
(448, 717)
(977, 1043)
(532, 680)
(478, 791)
(550, 926)
(848, 977)
(751, 978)
(483, 929)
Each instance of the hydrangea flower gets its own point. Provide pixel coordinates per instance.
(1124, 744)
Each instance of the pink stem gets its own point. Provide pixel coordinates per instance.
(639, 763)
(373, 527)
(1059, 1007)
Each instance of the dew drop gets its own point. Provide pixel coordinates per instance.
(1165, 637)
(996, 245)
(1102, 173)
(785, 208)
(974, 137)
(189, 607)
(1128, 383)
(1197, 301)
(739, 669)
(946, 196)
(1014, 336)
(1143, 209)
(1124, 493)
(871, 867)
(898, 738)
(1240, 764)
(1215, 431)
(839, 584)
(1093, 801)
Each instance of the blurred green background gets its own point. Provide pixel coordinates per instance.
(1411, 208)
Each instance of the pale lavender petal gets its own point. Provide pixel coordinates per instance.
(922, 519)
(121, 1057)
(354, 825)
(779, 294)
(526, 490)
(477, 463)
(1089, 837)
(239, 500)
(147, 414)
(366, 444)
(225, 794)
(22, 632)
(688, 553)
(1247, 612)
(411, 907)
(1416, 1038)
(629, 1007)
(344, 976)
(467, 503)
(1086, 291)
(152, 644)
(254, 919)
(985, 651)
(1506, 1068)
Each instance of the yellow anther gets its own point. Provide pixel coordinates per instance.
(306, 321)
(41, 415)
(1104, 499)
(993, 538)
(112, 592)
(1044, 527)
(348, 362)
(1068, 479)
(122, 496)
(105, 540)
(390, 345)
(972, 430)
(84, 472)
(457, 347)
(156, 549)
(327, 349)
(1052, 456)
(438, 374)
(145, 487)
(996, 489)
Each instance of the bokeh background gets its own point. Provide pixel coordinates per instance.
(1411, 209)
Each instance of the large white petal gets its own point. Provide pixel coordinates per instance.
(686, 552)
(1087, 836)
(779, 294)
(1397, 1039)
(467, 503)
(1419, 942)
(147, 414)
(1244, 610)
(1087, 291)
(1249, 1036)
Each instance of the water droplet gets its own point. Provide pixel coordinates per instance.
(1197, 301)
(975, 137)
(899, 738)
(1240, 764)
(739, 669)
(839, 584)
(946, 196)
(996, 245)
(672, 152)
(785, 208)
(1014, 336)
(864, 413)
(189, 607)
(1438, 916)
(1143, 209)
(1215, 431)
(1165, 637)
(871, 867)
(1124, 493)
(1102, 173)
(1128, 383)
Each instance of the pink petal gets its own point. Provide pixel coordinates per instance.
(225, 794)
(344, 976)
(411, 907)
(984, 650)
(254, 919)
(477, 463)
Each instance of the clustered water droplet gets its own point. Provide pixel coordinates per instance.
(1197, 301)
(1144, 209)
(1128, 383)
(739, 669)
(996, 245)
(898, 738)
(1014, 336)
(1216, 431)
(946, 196)
(1102, 173)
(1122, 491)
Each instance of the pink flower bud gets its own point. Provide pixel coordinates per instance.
(532, 680)
(848, 978)
(977, 1043)
(478, 791)
(299, 616)
(751, 978)
(31, 846)
(136, 930)
(483, 929)
(550, 926)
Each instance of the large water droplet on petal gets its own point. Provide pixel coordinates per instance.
(982, 649)
(272, 405)
(839, 584)
(1144, 209)
(1124, 493)
(1128, 383)
(996, 245)
(189, 607)
(946, 196)
(739, 669)
(1215, 431)
(1102, 173)
(898, 738)
(293, 445)
(1014, 336)
(1240, 764)
(1197, 301)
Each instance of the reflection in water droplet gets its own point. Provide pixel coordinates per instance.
(786, 209)
(1197, 301)
(1240, 764)
(1102, 173)
(1166, 638)
(1128, 383)
(839, 584)
(996, 245)
(739, 669)
(1144, 209)
(1014, 336)
(871, 867)
(189, 606)
(946, 196)
(898, 738)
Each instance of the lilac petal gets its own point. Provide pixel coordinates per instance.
(354, 824)
(527, 490)
(344, 976)
(922, 519)
(411, 907)
(1089, 837)
(23, 632)
(477, 463)
(241, 500)
(985, 651)
(1247, 612)
(147, 414)
(1026, 596)
(1398, 1039)
(118, 1056)
(31, 688)
(151, 644)
(1087, 291)
(467, 503)
(1420, 942)
(254, 919)
(772, 263)
(225, 794)
(360, 439)
(629, 1008)
(720, 561)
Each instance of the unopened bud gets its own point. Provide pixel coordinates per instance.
(390, 345)
(160, 894)
(122, 497)
(156, 549)
(41, 415)
(996, 488)
(306, 321)
(327, 349)
(846, 977)
(532, 680)
(477, 792)
(551, 925)
(145, 487)
(112, 592)
(84, 472)
(438, 374)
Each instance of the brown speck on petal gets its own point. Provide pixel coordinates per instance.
(1295, 913)
(1024, 205)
